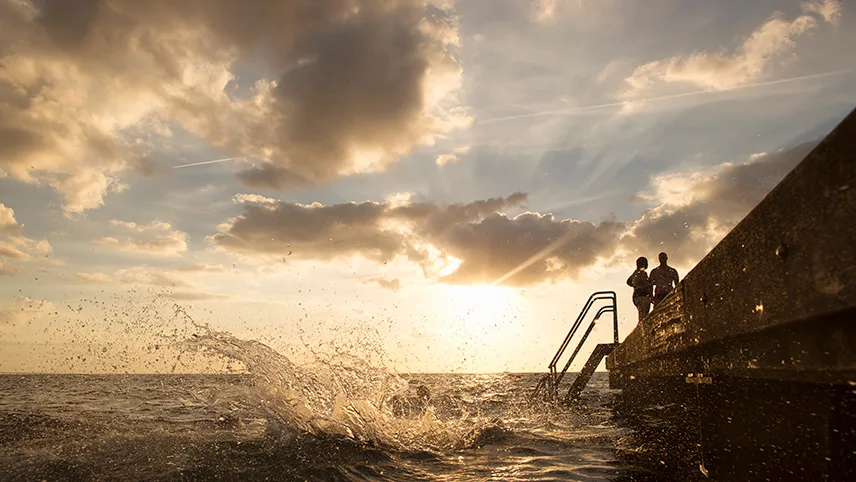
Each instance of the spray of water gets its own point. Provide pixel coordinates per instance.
(341, 396)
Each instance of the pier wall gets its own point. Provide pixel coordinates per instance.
(791, 260)
(749, 365)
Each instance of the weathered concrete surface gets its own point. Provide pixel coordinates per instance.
(739, 429)
(776, 298)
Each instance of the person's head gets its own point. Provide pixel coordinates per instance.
(663, 258)
(641, 262)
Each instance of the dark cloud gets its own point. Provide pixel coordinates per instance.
(347, 86)
(68, 23)
(488, 243)
(495, 246)
(148, 167)
(377, 231)
(693, 211)
(357, 90)
(272, 176)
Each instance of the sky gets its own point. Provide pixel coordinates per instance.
(429, 185)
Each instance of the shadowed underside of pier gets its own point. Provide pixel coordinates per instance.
(763, 329)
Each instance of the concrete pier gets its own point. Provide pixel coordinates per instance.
(756, 347)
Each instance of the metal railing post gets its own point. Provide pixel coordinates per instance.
(615, 320)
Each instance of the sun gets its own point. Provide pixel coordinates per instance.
(480, 307)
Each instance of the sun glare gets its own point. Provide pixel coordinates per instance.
(482, 307)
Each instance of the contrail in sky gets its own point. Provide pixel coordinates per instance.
(664, 97)
(215, 161)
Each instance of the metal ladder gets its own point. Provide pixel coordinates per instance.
(548, 387)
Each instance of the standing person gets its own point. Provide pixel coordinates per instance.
(641, 287)
(664, 278)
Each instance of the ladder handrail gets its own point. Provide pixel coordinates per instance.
(553, 377)
(597, 295)
(605, 309)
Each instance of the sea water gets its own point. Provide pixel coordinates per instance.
(340, 420)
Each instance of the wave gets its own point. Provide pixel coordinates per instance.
(346, 397)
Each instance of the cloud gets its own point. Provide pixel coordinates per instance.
(722, 70)
(476, 244)
(444, 159)
(10, 252)
(252, 198)
(8, 223)
(156, 237)
(21, 309)
(377, 231)
(486, 244)
(387, 284)
(146, 276)
(830, 10)
(16, 247)
(197, 296)
(94, 278)
(401, 92)
(543, 10)
(142, 228)
(137, 275)
(88, 91)
(537, 247)
(697, 209)
(201, 268)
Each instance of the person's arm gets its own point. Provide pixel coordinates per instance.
(675, 276)
(630, 280)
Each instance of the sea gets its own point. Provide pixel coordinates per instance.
(340, 420)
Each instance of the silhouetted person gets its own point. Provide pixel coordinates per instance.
(664, 278)
(641, 287)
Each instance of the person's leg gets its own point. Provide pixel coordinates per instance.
(646, 306)
(643, 306)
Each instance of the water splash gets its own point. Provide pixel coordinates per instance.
(343, 396)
